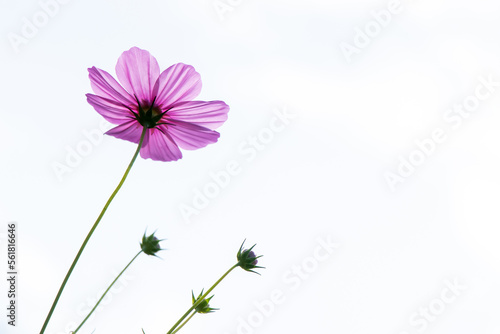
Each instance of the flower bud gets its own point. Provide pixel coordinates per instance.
(203, 306)
(150, 244)
(247, 259)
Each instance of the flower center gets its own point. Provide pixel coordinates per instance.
(149, 117)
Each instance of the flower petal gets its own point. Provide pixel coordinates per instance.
(104, 85)
(130, 131)
(138, 71)
(160, 146)
(179, 82)
(210, 115)
(191, 136)
(111, 110)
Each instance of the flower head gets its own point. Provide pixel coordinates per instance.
(150, 244)
(160, 102)
(247, 259)
(203, 306)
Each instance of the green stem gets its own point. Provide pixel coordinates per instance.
(201, 299)
(185, 322)
(105, 292)
(92, 231)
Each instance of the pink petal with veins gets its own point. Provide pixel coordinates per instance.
(160, 146)
(190, 136)
(138, 71)
(177, 83)
(111, 110)
(130, 131)
(210, 115)
(104, 85)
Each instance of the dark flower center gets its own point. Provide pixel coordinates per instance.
(149, 117)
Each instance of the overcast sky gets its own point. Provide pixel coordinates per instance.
(361, 155)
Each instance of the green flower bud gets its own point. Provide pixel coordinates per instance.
(203, 306)
(150, 244)
(247, 259)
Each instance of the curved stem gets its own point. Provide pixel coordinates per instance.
(105, 292)
(201, 299)
(92, 231)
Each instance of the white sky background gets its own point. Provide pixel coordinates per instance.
(322, 177)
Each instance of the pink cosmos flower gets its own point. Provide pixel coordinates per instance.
(161, 102)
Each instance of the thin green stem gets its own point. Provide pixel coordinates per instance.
(92, 231)
(201, 299)
(105, 292)
(185, 322)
